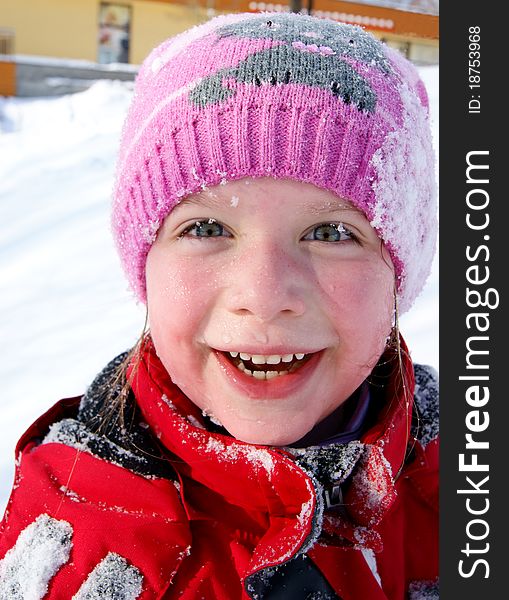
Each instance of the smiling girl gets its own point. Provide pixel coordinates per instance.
(289, 296)
(268, 437)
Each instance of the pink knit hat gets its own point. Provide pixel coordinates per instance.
(287, 96)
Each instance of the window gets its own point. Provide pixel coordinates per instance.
(6, 41)
(114, 33)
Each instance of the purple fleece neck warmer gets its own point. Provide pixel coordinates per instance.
(288, 96)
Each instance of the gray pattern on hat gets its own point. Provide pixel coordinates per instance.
(283, 65)
(346, 40)
(313, 54)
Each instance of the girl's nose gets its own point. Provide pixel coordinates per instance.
(266, 283)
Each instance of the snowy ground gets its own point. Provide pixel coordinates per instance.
(64, 305)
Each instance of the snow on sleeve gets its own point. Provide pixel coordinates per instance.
(112, 579)
(40, 550)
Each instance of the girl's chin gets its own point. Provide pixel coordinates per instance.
(263, 435)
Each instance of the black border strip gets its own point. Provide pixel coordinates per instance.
(474, 519)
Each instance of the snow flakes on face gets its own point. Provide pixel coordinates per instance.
(40, 550)
(404, 186)
(112, 579)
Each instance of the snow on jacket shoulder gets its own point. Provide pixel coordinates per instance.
(148, 503)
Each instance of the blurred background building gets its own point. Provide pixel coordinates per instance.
(90, 39)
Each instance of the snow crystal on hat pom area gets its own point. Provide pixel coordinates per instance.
(404, 213)
(40, 550)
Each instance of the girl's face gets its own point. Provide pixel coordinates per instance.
(269, 302)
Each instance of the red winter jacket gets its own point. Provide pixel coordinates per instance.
(150, 504)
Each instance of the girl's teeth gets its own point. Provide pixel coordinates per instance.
(261, 374)
(273, 359)
(260, 359)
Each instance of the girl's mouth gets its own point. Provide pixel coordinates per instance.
(267, 377)
(265, 367)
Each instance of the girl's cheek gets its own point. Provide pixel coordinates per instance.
(357, 286)
(180, 298)
(176, 287)
(360, 297)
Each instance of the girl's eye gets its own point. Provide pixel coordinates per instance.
(330, 232)
(205, 229)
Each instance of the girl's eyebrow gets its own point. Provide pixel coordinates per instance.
(332, 207)
(199, 199)
(215, 201)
